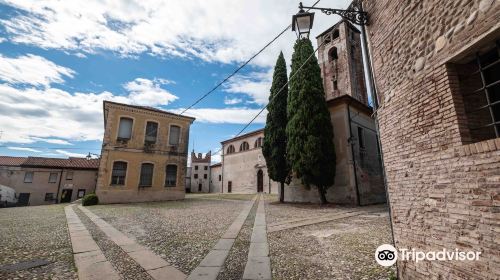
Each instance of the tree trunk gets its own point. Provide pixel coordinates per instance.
(322, 195)
(282, 193)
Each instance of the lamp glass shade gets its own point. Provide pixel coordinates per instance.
(302, 23)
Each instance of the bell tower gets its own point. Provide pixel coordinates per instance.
(341, 62)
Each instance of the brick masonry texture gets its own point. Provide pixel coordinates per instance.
(443, 189)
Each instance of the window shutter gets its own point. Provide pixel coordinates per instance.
(125, 128)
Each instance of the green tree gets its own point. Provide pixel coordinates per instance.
(310, 148)
(274, 147)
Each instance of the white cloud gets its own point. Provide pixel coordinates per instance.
(71, 154)
(34, 114)
(225, 115)
(256, 85)
(33, 70)
(24, 149)
(2, 40)
(216, 30)
(148, 92)
(232, 101)
(52, 141)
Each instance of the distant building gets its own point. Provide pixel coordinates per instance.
(39, 181)
(144, 154)
(216, 178)
(200, 172)
(358, 179)
(243, 165)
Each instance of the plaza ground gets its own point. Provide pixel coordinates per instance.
(305, 241)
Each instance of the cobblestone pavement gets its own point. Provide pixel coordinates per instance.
(38, 232)
(181, 232)
(339, 249)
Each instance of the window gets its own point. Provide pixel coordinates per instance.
(205, 167)
(230, 149)
(205, 176)
(146, 179)
(28, 177)
(258, 143)
(196, 167)
(175, 133)
(244, 146)
(220, 178)
(335, 85)
(53, 177)
(361, 140)
(69, 175)
(196, 176)
(335, 34)
(49, 196)
(125, 129)
(332, 54)
(171, 176)
(119, 173)
(80, 193)
(151, 132)
(479, 84)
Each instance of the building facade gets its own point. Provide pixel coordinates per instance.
(358, 174)
(144, 154)
(216, 178)
(200, 173)
(244, 167)
(41, 181)
(437, 71)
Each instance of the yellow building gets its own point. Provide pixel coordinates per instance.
(144, 154)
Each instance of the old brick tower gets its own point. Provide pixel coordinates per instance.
(341, 62)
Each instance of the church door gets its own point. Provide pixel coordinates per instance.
(260, 181)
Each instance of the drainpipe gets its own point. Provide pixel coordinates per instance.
(59, 186)
(374, 97)
(222, 171)
(353, 155)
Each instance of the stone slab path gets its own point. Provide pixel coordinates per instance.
(89, 259)
(210, 267)
(258, 263)
(290, 224)
(154, 265)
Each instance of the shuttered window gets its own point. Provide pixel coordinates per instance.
(174, 136)
(119, 173)
(151, 132)
(171, 176)
(125, 128)
(146, 179)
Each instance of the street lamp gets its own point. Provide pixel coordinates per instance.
(89, 156)
(302, 22)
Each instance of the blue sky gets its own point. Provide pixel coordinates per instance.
(58, 61)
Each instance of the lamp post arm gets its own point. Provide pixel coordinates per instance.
(354, 16)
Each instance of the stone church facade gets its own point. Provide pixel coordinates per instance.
(437, 73)
(358, 177)
(243, 167)
(200, 173)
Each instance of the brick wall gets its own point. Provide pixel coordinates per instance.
(443, 189)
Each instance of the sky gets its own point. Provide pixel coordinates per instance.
(60, 59)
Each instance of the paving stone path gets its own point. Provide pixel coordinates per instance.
(154, 265)
(89, 259)
(258, 263)
(284, 225)
(211, 265)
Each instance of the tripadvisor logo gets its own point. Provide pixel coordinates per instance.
(386, 255)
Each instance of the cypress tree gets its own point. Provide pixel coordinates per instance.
(310, 148)
(274, 147)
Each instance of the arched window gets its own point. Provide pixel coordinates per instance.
(125, 129)
(151, 132)
(332, 54)
(119, 172)
(244, 146)
(230, 149)
(171, 176)
(258, 143)
(146, 179)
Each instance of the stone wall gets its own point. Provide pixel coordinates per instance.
(216, 178)
(443, 189)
